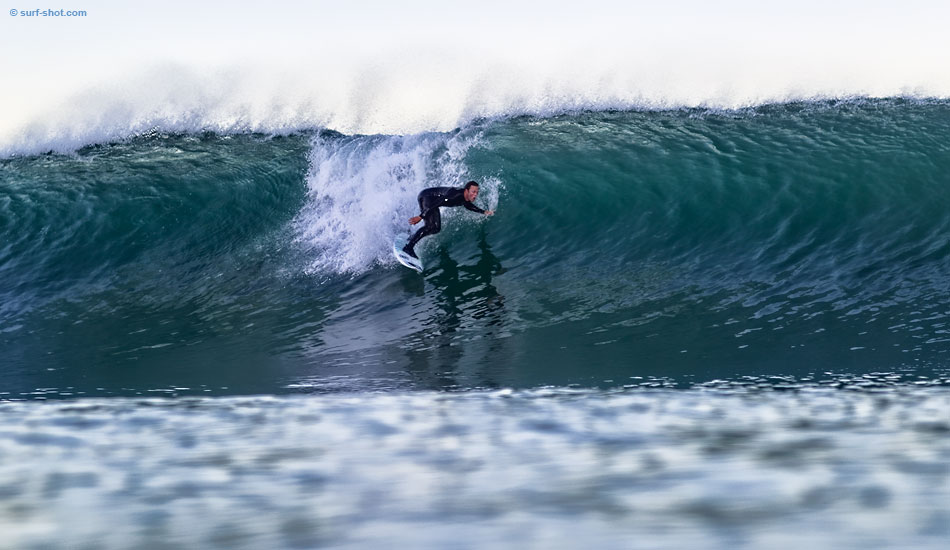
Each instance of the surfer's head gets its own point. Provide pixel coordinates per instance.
(471, 191)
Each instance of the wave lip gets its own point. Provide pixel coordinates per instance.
(410, 92)
(415, 68)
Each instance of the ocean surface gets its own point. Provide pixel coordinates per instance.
(682, 328)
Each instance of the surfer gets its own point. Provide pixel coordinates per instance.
(429, 202)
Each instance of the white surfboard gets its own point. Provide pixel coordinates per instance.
(402, 257)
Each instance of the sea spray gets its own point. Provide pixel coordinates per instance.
(362, 190)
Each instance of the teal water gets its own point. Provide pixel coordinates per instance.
(693, 245)
(681, 329)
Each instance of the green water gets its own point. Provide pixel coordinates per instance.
(692, 245)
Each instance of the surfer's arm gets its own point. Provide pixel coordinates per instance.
(473, 208)
(422, 215)
(426, 211)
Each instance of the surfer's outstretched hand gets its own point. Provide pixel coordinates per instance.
(414, 220)
(489, 212)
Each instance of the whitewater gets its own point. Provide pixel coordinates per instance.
(425, 67)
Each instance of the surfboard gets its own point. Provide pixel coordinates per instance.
(402, 257)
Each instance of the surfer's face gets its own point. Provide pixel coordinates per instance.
(471, 193)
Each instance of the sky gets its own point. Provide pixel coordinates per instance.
(415, 65)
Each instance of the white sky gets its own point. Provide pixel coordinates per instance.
(722, 44)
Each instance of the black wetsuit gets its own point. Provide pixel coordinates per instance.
(429, 202)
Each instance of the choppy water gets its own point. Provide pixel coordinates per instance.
(704, 468)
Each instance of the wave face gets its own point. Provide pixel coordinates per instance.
(684, 245)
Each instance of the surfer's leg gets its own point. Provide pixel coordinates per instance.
(433, 224)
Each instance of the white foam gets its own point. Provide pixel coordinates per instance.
(433, 67)
(362, 191)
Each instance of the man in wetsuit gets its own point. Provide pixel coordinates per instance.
(429, 202)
